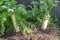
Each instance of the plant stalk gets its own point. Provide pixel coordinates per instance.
(16, 27)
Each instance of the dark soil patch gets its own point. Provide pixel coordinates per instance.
(48, 34)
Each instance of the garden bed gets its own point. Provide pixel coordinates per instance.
(25, 24)
(49, 34)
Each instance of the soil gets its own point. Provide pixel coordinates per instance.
(48, 34)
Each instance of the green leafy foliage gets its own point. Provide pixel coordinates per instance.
(40, 11)
(25, 19)
(8, 7)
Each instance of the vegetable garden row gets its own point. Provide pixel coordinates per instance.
(15, 17)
